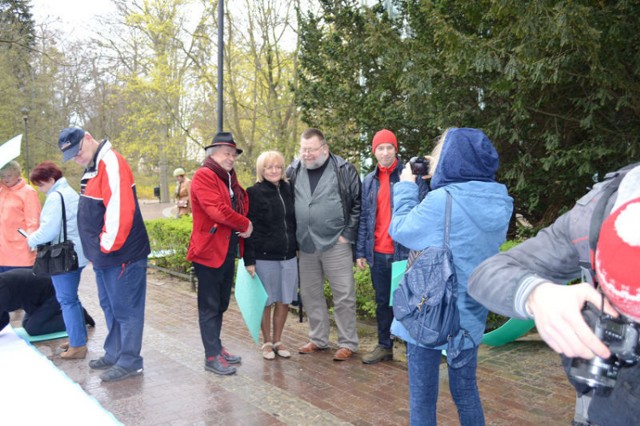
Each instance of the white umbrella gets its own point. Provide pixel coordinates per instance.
(10, 150)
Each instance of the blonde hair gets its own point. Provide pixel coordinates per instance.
(268, 158)
(437, 151)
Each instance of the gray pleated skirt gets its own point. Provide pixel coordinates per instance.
(279, 278)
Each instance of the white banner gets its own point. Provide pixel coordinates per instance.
(10, 150)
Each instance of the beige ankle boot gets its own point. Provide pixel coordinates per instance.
(74, 352)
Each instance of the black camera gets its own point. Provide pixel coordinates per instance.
(419, 165)
(621, 335)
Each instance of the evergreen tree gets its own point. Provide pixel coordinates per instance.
(552, 83)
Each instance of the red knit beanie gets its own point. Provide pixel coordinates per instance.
(384, 136)
(618, 258)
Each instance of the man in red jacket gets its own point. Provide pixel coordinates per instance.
(219, 207)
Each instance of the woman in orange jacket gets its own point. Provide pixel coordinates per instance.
(19, 208)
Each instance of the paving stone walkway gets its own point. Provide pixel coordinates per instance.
(521, 383)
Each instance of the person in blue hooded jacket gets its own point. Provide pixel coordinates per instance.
(464, 164)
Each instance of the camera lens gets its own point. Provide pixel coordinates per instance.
(419, 166)
(598, 373)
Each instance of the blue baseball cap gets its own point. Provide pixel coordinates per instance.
(69, 142)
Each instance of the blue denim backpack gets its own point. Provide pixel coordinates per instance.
(426, 300)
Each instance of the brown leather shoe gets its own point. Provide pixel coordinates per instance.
(64, 346)
(309, 348)
(74, 352)
(343, 354)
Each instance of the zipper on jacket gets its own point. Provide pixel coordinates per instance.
(284, 220)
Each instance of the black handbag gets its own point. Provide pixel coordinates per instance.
(59, 258)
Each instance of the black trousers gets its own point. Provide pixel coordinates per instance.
(45, 319)
(214, 292)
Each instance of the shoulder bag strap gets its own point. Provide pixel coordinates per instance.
(64, 218)
(447, 220)
(414, 254)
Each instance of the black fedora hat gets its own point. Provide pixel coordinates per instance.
(226, 139)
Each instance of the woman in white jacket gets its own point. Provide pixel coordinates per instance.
(48, 178)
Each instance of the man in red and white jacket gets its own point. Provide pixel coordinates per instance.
(115, 240)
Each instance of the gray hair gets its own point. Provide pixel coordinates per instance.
(210, 150)
(12, 165)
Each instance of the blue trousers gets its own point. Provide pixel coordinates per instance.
(381, 279)
(66, 286)
(122, 291)
(424, 376)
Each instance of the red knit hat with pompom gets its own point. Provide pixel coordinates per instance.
(618, 258)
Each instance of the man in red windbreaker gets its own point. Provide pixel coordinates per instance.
(219, 207)
(115, 240)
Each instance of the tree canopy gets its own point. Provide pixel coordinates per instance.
(552, 83)
(146, 78)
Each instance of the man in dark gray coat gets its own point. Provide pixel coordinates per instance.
(524, 282)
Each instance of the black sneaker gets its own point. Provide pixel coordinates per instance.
(231, 359)
(117, 373)
(219, 365)
(99, 364)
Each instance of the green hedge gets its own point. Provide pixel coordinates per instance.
(169, 238)
(365, 295)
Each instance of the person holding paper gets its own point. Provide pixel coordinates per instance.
(271, 250)
(48, 178)
(220, 225)
(19, 208)
(374, 246)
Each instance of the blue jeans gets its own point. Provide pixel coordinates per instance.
(122, 291)
(381, 279)
(66, 286)
(424, 372)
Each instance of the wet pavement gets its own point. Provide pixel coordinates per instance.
(521, 383)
